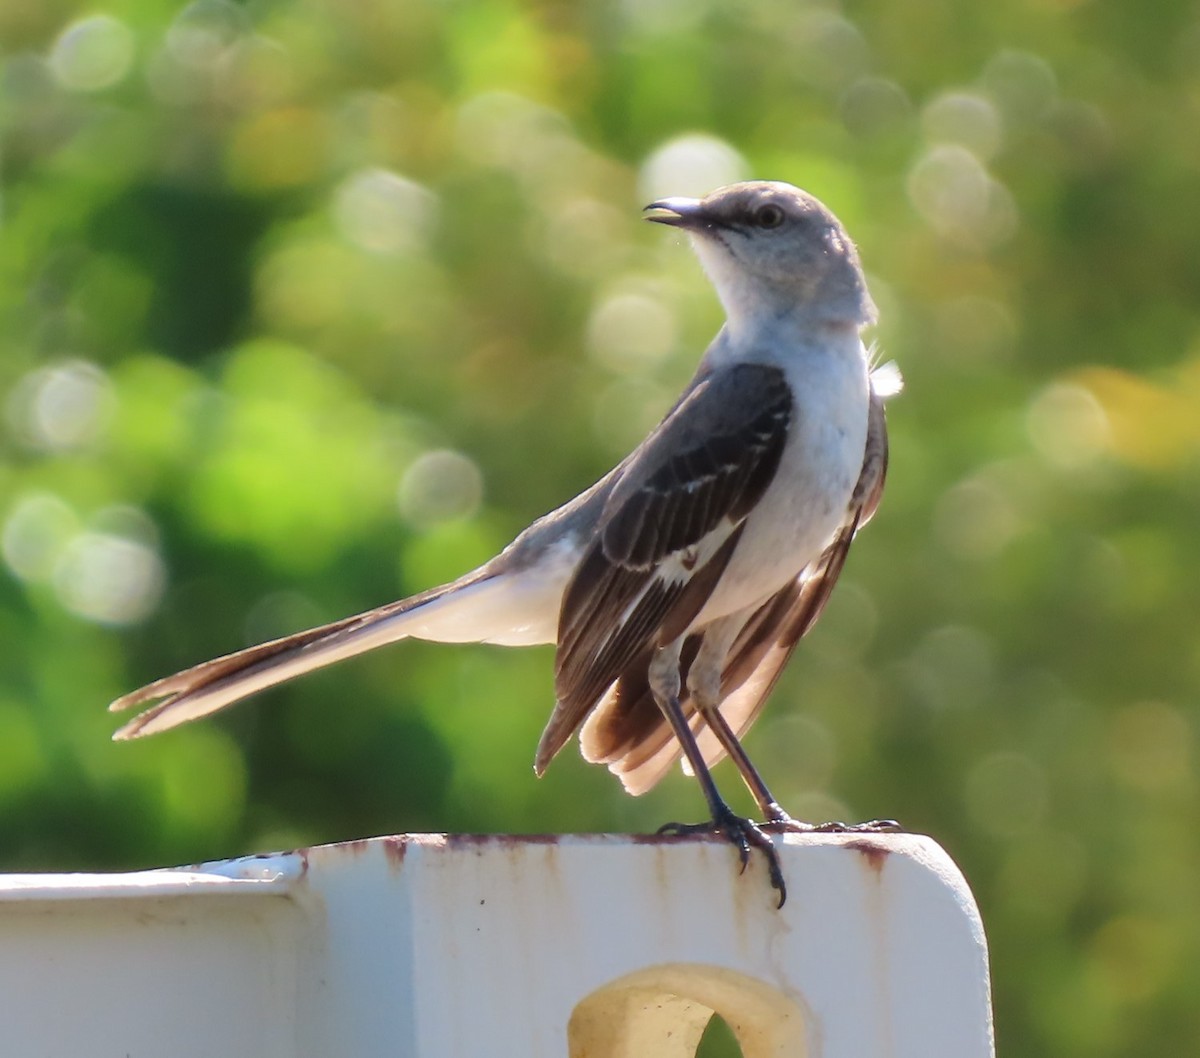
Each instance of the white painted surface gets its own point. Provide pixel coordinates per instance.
(441, 947)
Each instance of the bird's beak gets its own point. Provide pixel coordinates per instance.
(679, 213)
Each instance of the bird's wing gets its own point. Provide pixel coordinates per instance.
(628, 732)
(666, 534)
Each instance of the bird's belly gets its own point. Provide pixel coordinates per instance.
(773, 550)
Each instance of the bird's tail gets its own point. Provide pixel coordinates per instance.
(457, 612)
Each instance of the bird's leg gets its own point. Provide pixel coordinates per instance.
(705, 687)
(774, 817)
(704, 684)
(767, 805)
(743, 833)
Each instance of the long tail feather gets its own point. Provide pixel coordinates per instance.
(215, 684)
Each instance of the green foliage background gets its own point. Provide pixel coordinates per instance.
(306, 305)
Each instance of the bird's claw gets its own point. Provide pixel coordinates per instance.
(742, 833)
(781, 822)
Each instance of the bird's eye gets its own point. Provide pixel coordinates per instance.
(768, 216)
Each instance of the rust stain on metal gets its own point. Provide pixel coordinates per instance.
(357, 846)
(530, 839)
(875, 855)
(395, 848)
(700, 837)
(500, 841)
(301, 853)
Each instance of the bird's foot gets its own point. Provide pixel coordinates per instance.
(778, 821)
(743, 833)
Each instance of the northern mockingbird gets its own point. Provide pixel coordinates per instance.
(677, 586)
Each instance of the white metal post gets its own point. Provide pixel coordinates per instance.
(459, 947)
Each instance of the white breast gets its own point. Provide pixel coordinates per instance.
(806, 502)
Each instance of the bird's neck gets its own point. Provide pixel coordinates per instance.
(753, 310)
(785, 339)
(754, 326)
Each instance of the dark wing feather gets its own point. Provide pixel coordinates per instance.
(666, 535)
(710, 461)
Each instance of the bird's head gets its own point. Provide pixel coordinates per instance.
(770, 247)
